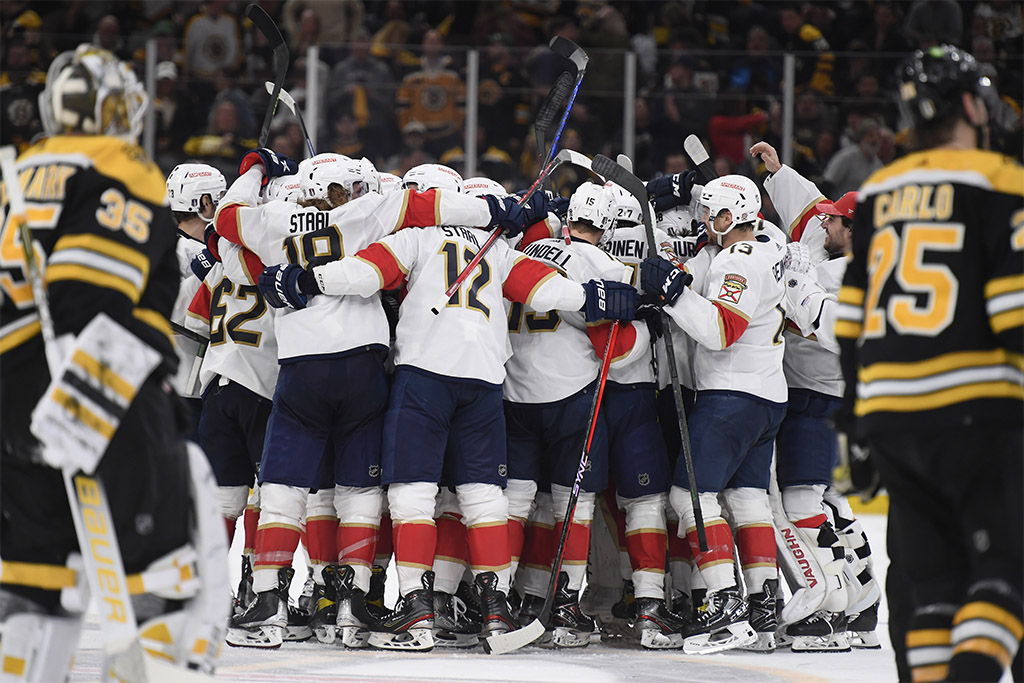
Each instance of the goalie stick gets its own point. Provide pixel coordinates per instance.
(513, 640)
(700, 157)
(289, 102)
(633, 185)
(269, 29)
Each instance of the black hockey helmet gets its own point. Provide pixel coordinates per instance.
(931, 81)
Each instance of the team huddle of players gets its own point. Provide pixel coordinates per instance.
(338, 409)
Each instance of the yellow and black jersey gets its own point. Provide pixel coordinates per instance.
(931, 312)
(97, 209)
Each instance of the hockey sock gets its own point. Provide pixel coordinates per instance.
(577, 542)
(987, 632)
(321, 532)
(385, 548)
(645, 537)
(680, 562)
(250, 520)
(358, 511)
(278, 533)
(229, 525)
(414, 532)
(715, 565)
(538, 549)
(452, 554)
(485, 513)
(520, 494)
(929, 644)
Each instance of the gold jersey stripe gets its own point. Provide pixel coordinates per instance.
(851, 295)
(1003, 285)
(1007, 321)
(107, 247)
(104, 375)
(939, 364)
(939, 399)
(19, 336)
(70, 271)
(846, 329)
(155, 320)
(928, 637)
(990, 612)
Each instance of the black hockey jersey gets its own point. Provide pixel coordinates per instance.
(931, 312)
(98, 212)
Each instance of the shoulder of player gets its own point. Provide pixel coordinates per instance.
(974, 167)
(110, 157)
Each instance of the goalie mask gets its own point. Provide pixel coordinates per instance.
(187, 183)
(483, 187)
(594, 204)
(432, 176)
(91, 91)
(735, 193)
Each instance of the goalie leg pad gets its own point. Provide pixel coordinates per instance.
(277, 536)
(577, 543)
(38, 647)
(359, 518)
(803, 501)
(645, 543)
(485, 514)
(414, 531)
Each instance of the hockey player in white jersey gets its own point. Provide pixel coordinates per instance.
(807, 449)
(332, 388)
(445, 405)
(737, 321)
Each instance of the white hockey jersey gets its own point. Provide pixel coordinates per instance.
(556, 354)
(468, 339)
(186, 348)
(737, 319)
(812, 360)
(240, 326)
(281, 232)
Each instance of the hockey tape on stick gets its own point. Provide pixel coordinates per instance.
(700, 157)
(548, 109)
(269, 29)
(289, 102)
(630, 183)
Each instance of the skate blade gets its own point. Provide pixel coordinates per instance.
(354, 637)
(864, 640)
(567, 638)
(326, 633)
(415, 639)
(456, 640)
(836, 642)
(263, 637)
(294, 634)
(782, 639)
(615, 628)
(728, 638)
(764, 644)
(803, 604)
(656, 639)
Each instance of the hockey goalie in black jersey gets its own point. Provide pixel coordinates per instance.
(96, 208)
(931, 325)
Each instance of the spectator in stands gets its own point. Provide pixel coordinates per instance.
(757, 71)
(213, 41)
(337, 21)
(799, 36)
(178, 116)
(825, 146)
(734, 127)
(220, 145)
(602, 26)
(885, 34)
(504, 96)
(546, 65)
(349, 137)
(933, 22)
(20, 85)
(108, 36)
(168, 47)
(434, 95)
(686, 109)
(26, 28)
(363, 85)
(413, 152)
(810, 115)
(851, 166)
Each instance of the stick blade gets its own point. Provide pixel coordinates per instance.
(700, 157)
(571, 51)
(503, 643)
(625, 162)
(553, 102)
(265, 24)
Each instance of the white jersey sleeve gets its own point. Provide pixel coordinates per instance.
(794, 198)
(186, 348)
(812, 360)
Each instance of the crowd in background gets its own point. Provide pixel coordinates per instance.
(392, 76)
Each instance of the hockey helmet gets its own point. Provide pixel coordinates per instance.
(481, 186)
(283, 188)
(931, 81)
(432, 176)
(595, 204)
(677, 221)
(324, 170)
(737, 193)
(187, 183)
(627, 209)
(89, 90)
(389, 182)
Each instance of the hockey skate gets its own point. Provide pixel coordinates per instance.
(244, 595)
(721, 624)
(375, 596)
(324, 620)
(496, 616)
(263, 622)
(409, 626)
(453, 626)
(658, 627)
(764, 618)
(861, 629)
(530, 610)
(306, 601)
(354, 619)
(569, 625)
(297, 628)
(820, 632)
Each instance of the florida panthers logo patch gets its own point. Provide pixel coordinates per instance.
(732, 288)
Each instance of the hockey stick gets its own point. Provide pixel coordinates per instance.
(548, 108)
(625, 162)
(575, 54)
(629, 182)
(513, 640)
(700, 157)
(289, 102)
(269, 29)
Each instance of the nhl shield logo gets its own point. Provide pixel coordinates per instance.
(374, 471)
(502, 470)
(643, 479)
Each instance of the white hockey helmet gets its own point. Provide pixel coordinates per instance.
(595, 204)
(187, 183)
(737, 193)
(325, 170)
(432, 176)
(627, 209)
(89, 90)
(371, 178)
(283, 188)
(677, 221)
(481, 186)
(389, 182)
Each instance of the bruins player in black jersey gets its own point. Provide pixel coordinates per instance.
(931, 326)
(97, 210)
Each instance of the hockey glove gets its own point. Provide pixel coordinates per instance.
(507, 215)
(798, 257)
(670, 191)
(273, 164)
(212, 240)
(649, 311)
(288, 286)
(660, 276)
(701, 231)
(202, 263)
(609, 300)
